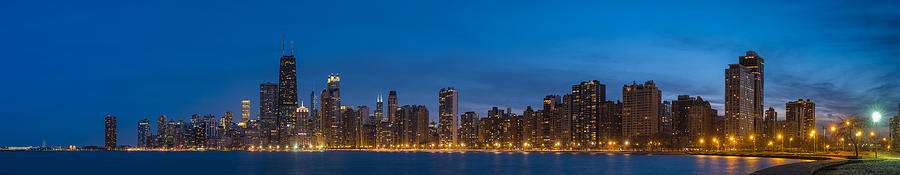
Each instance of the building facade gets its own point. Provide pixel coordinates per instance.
(744, 97)
(245, 111)
(110, 132)
(800, 118)
(586, 98)
(330, 112)
(693, 119)
(268, 112)
(739, 105)
(640, 111)
(144, 134)
(448, 104)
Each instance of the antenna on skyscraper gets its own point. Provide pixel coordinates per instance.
(292, 47)
(282, 43)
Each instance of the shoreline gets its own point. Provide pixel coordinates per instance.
(776, 155)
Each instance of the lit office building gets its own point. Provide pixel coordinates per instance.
(144, 134)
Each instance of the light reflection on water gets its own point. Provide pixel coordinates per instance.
(374, 163)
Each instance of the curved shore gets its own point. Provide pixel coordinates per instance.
(815, 167)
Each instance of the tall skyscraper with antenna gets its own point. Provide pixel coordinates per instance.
(287, 93)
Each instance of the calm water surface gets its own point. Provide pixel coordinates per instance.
(219, 163)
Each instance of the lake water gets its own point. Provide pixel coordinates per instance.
(221, 163)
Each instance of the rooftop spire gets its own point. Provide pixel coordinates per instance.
(292, 47)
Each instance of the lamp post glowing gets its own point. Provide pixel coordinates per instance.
(754, 142)
(782, 141)
(875, 117)
(813, 135)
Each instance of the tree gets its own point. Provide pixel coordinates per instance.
(852, 128)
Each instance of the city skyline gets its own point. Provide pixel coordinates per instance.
(476, 94)
(583, 119)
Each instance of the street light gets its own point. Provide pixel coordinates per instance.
(754, 142)
(782, 141)
(875, 117)
(813, 135)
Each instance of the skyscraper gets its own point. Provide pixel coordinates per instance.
(586, 97)
(392, 106)
(303, 129)
(640, 111)
(268, 110)
(245, 111)
(287, 94)
(161, 124)
(530, 121)
(362, 118)
(756, 65)
(348, 127)
(379, 109)
(739, 104)
(449, 113)
(110, 132)
(468, 130)
(164, 132)
(395, 124)
(144, 133)
(554, 131)
(411, 128)
(331, 111)
(800, 118)
(744, 102)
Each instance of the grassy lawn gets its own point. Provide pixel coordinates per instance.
(874, 167)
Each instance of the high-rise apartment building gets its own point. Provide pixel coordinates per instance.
(468, 130)
(756, 65)
(530, 121)
(610, 121)
(739, 104)
(800, 118)
(110, 132)
(411, 129)
(640, 111)
(744, 102)
(448, 104)
(586, 98)
(693, 119)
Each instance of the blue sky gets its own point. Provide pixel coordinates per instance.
(70, 63)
